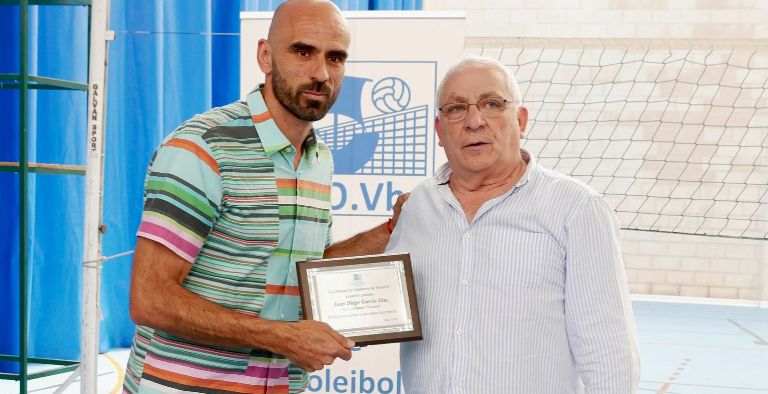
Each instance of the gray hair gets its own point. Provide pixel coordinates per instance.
(468, 61)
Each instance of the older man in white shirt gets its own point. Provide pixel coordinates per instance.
(517, 268)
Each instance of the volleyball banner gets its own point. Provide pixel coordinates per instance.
(381, 133)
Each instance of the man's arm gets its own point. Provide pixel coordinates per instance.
(158, 300)
(598, 312)
(372, 241)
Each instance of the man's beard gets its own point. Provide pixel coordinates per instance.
(291, 99)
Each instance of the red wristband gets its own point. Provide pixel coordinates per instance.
(389, 225)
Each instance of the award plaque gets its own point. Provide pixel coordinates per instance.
(369, 299)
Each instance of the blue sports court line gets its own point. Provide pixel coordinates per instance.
(702, 349)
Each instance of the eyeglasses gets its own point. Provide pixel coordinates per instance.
(489, 107)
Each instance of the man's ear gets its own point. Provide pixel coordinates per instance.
(439, 131)
(522, 120)
(264, 56)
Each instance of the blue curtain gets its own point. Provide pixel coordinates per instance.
(170, 60)
(9, 204)
(56, 124)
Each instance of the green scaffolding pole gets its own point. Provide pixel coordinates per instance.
(24, 82)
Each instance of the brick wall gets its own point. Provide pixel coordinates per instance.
(682, 19)
(694, 266)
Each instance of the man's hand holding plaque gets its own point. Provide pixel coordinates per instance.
(369, 299)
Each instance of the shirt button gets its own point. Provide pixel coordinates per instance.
(467, 236)
(457, 382)
(459, 331)
(282, 315)
(465, 282)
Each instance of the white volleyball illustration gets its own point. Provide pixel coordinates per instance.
(390, 95)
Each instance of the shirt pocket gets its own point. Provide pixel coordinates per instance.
(526, 259)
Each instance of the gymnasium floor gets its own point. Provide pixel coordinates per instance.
(702, 349)
(686, 348)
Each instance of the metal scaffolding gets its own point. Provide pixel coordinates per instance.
(93, 172)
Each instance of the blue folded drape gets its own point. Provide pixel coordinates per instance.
(170, 60)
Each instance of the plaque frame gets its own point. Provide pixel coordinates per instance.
(412, 332)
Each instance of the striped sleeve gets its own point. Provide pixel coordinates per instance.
(181, 196)
(598, 312)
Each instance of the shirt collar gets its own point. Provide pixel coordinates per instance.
(443, 173)
(272, 138)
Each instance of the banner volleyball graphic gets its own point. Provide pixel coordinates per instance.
(391, 95)
(390, 141)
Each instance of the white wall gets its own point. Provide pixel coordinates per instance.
(697, 19)
(694, 266)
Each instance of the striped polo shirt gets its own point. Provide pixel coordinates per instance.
(222, 193)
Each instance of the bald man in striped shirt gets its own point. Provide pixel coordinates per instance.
(518, 271)
(233, 199)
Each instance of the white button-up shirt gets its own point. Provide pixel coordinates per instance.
(531, 297)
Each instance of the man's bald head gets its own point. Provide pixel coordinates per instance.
(290, 12)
